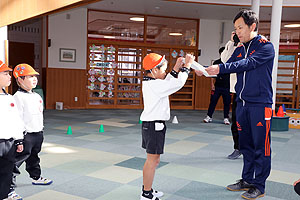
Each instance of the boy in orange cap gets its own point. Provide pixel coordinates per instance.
(157, 86)
(30, 105)
(11, 132)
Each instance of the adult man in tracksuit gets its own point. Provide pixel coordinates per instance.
(253, 63)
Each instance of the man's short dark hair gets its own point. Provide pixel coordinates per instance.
(249, 17)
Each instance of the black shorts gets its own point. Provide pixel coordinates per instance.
(153, 140)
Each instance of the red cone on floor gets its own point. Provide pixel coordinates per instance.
(280, 112)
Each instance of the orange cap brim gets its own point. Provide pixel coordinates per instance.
(5, 68)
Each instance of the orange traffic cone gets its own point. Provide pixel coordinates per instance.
(280, 112)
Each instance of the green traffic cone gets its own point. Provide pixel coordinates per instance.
(140, 122)
(101, 130)
(69, 131)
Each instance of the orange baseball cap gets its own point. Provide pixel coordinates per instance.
(4, 67)
(152, 60)
(24, 70)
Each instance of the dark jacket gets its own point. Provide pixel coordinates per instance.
(222, 80)
(253, 63)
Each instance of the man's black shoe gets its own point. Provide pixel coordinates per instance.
(252, 193)
(240, 185)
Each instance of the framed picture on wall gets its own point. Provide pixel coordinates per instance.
(67, 55)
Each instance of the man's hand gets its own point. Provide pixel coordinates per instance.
(20, 148)
(189, 59)
(213, 87)
(198, 73)
(213, 70)
(178, 64)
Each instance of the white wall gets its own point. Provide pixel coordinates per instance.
(3, 37)
(210, 39)
(68, 33)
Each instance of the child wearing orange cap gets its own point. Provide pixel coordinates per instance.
(157, 86)
(30, 105)
(11, 132)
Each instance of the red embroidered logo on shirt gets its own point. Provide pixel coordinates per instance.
(240, 55)
(12, 105)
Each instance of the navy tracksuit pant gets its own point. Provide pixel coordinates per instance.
(214, 98)
(254, 123)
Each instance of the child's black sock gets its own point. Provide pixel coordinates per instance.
(147, 194)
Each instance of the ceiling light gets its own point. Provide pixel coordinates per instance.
(175, 34)
(292, 25)
(109, 37)
(137, 19)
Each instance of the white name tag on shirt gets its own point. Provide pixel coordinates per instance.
(159, 126)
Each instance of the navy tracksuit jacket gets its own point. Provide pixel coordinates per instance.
(253, 63)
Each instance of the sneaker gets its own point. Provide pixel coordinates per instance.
(41, 181)
(235, 154)
(226, 121)
(207, 119)
(149, 197)
(252, 193)
(153, 198)
(13, 196)
(240, 185)
(157, 193)
(154, 192)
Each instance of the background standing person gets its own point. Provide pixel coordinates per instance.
(220, 87)
(156, 90)
(11, 132)
(226, 54)
(253, 63)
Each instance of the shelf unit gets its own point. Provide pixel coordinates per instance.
(114, 75)
(287, 89)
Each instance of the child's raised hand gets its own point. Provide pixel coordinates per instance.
(178, 64)
(20, 148)
(189, 59)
